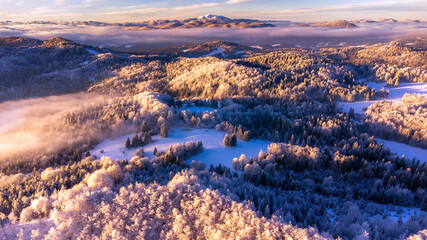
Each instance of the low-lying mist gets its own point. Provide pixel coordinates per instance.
(285, 34)
(33, 127)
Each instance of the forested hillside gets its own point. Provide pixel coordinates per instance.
(324, 176)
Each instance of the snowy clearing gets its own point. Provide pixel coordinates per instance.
(214, 151)
(93, 52)
(215, 52)
(404, 149)
(395, 94)
(197, 109)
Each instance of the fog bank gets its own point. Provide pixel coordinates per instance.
(38, 125)
(286, 34)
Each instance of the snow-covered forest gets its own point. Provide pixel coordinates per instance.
(153, 146)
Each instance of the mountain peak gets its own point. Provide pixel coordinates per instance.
(337, 24)
(59, 42)
(211, 16)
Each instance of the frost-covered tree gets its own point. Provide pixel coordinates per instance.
(163, 131)
(227, 140)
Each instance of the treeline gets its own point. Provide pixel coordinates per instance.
(178, 153)
(403, 121)
(391, 62)
(270, 75)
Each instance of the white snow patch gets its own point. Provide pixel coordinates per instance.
(214, 151)
(358, 107)
(84, 63)
(197, 109)
(93, 52)
(406, 213)
(395, 94)
(185, 50)
(276, 45)
(129, 46)
(257, 46)
(404, 149)
(215, 52)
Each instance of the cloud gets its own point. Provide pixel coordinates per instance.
(238, 1)
(30, 126)
(285, 33)
(375, 9)
(196, 6)
(142, 10)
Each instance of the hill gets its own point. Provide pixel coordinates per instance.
(219, 49)
(336, 24)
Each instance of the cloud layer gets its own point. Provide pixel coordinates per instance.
(128, 10)
(286, 34)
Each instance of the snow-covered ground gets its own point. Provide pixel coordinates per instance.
(215, 52)
(404, 149)
(197, 109)
(395, 94)
(214, 151)
(93, 52)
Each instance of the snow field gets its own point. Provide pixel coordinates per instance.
(214, 151)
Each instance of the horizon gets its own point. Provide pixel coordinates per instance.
(131, 11)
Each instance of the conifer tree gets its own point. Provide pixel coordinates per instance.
(233, 140)
(227, 140)
(127, 143)
(163, 131)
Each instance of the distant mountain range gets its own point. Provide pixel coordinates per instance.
(208, 21)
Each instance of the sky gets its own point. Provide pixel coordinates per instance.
(140, 10)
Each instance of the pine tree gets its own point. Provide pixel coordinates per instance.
(127, 143)
(227, 140)
(163, 131)
(147, 138)
(144, 127)
(135, 141)
(246, 136)
(233, 140)
(155, 151)
(351, 112)
(170, 158)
